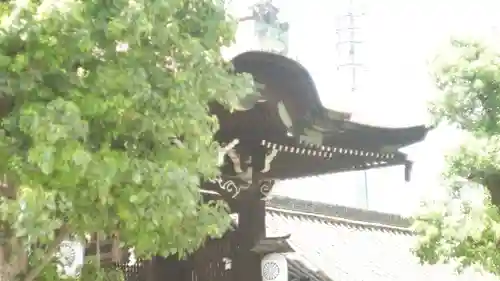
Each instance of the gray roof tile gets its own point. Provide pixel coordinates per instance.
(339, 249)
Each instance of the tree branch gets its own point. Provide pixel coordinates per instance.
(49, 254)
(7, 189)
(492, 183)
(490, 180)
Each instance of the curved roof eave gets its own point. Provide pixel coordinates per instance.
(296, 72)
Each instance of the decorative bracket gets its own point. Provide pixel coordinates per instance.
(224, 150)
(266, 186)
(233, 187)
(268, 160)
(243, 178)
(228, 186)
(236, 160)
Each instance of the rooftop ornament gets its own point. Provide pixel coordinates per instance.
(268, 26)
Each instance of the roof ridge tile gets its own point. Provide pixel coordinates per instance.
(340, 213)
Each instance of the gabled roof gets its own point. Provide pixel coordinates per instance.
(336, 243)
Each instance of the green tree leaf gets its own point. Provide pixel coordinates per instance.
(91, 97)
(465, 229)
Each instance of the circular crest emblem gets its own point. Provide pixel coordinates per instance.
(270, 270)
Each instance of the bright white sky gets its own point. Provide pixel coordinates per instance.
(400, 38)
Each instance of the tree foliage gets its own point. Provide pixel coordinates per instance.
(466, 230)
(105, 124)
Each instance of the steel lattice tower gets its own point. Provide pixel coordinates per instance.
(348, 43)
(347, 47)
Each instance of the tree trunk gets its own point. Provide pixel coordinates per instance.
(492, 183)
(5, 268)
(12, 261)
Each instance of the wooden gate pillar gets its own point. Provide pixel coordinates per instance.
(251, 228)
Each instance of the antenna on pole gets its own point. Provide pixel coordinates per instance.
(347, 35)
(348, 42)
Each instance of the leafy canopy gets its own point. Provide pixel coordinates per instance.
(466, 229)
(105, 123)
